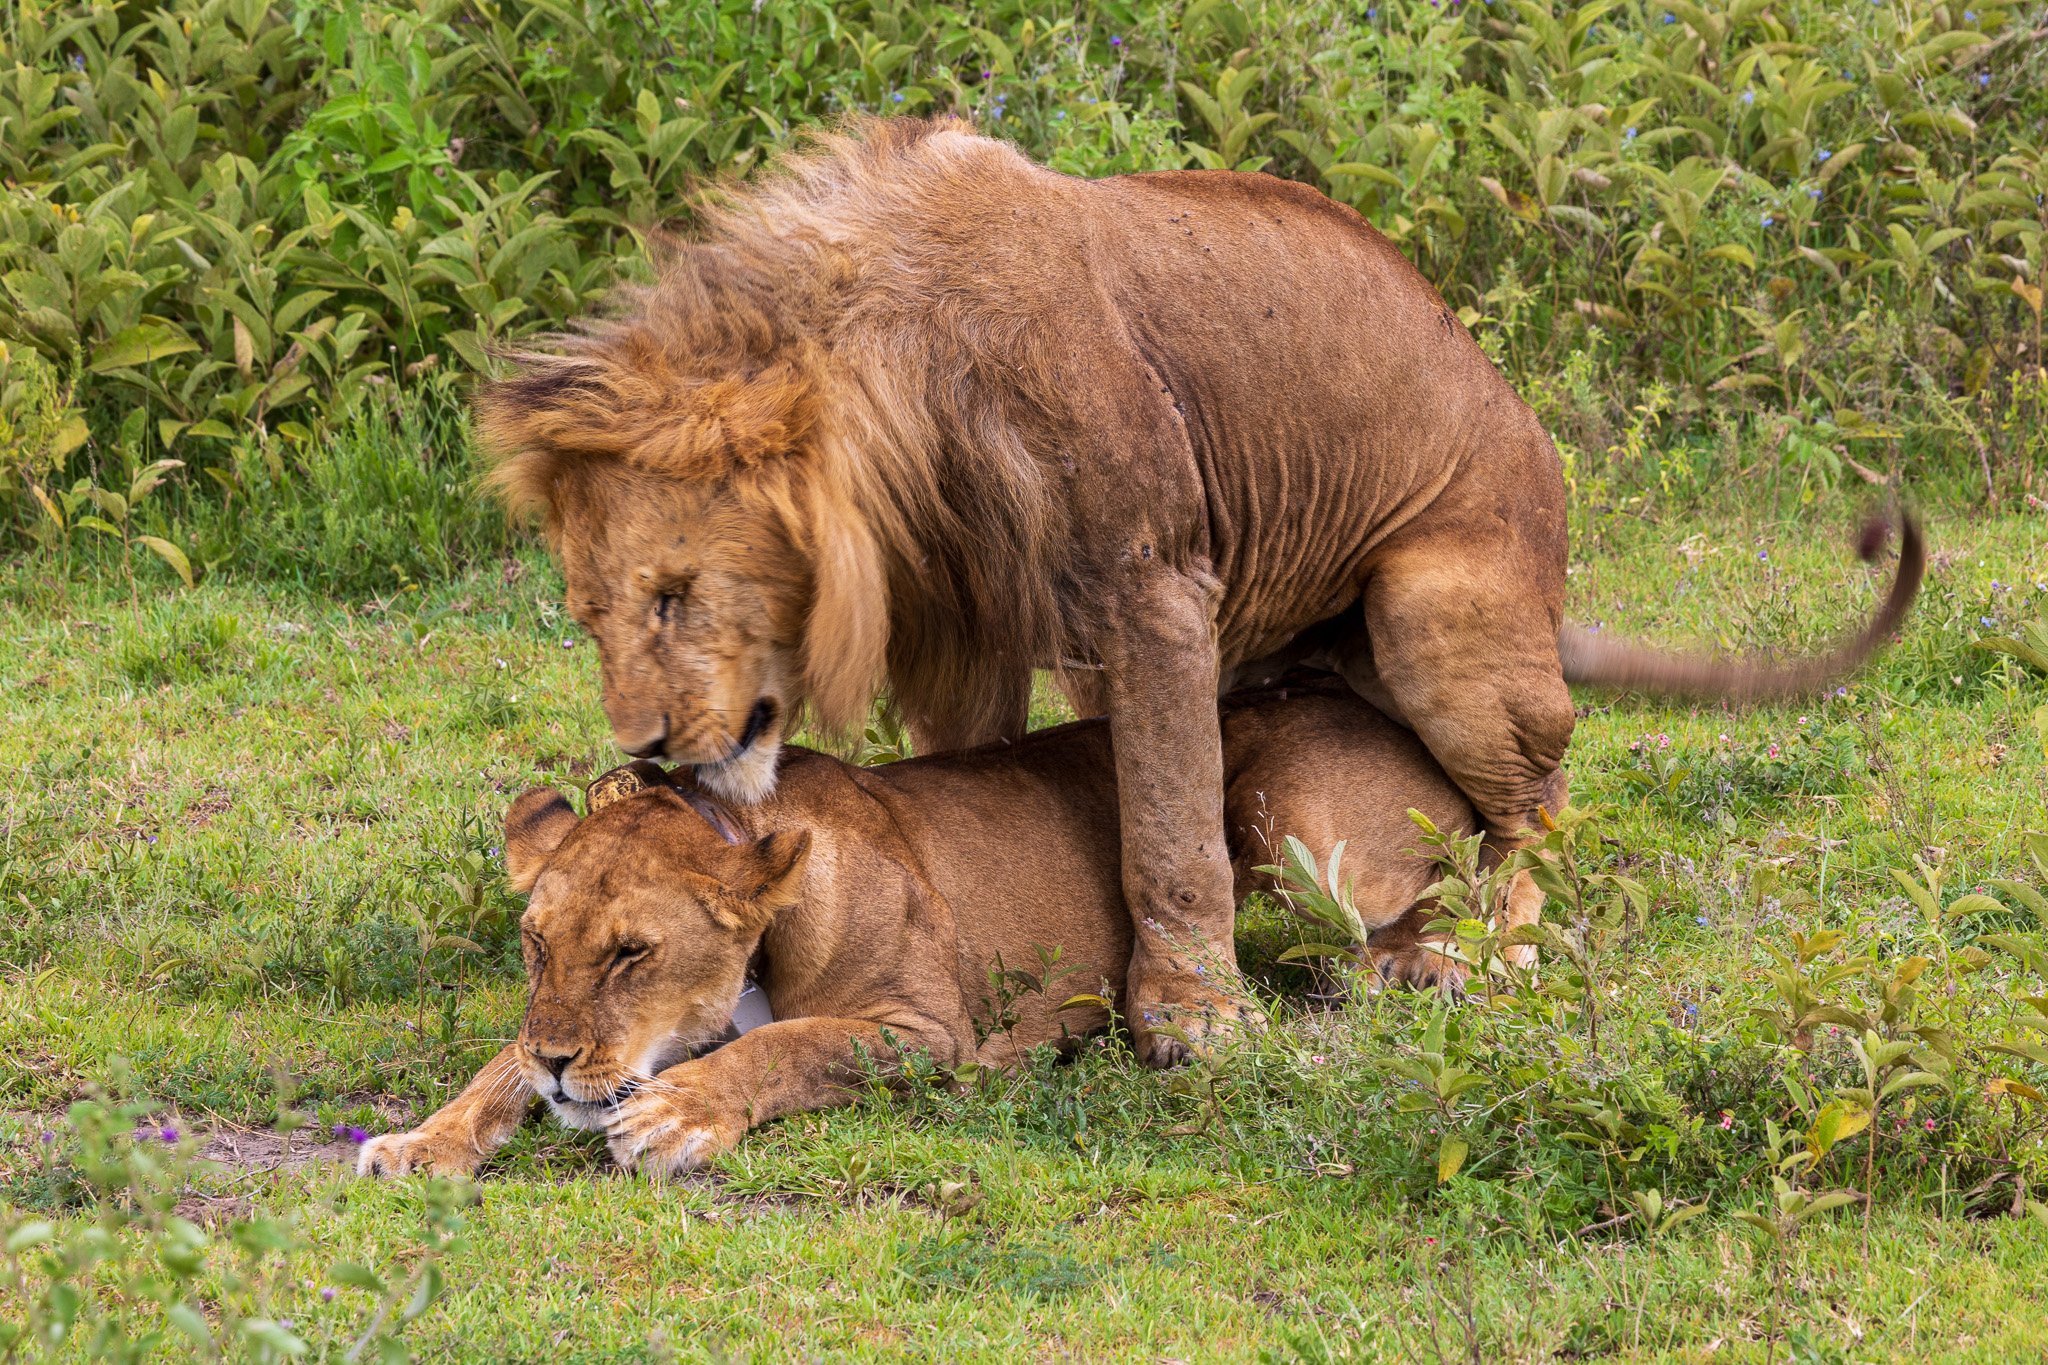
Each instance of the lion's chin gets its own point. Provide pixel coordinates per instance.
(748, 778)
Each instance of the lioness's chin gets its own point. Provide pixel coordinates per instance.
(748, 779)
(591, 1118)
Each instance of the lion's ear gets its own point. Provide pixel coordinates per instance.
(534, 829)
(766, 876)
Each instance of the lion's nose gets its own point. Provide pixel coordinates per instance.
(651, 747)
(555, 1062)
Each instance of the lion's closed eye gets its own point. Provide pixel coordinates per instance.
(625, 955)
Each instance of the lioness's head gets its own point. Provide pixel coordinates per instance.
(637, 934)
(709, 544)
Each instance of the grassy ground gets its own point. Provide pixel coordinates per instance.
(232, 817)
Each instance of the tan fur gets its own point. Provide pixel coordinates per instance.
(877, 903)
(915, 412)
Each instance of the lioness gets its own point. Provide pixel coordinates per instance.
(873, 905)
(916, 411)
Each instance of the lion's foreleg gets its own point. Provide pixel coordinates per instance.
(463, 1132)
(1161, 681)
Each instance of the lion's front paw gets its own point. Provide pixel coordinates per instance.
(668, 1132)
(420, 1151)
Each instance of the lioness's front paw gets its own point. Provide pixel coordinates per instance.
(418, 1152)
(666, 1133)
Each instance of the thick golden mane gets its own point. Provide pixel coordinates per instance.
(806, 353)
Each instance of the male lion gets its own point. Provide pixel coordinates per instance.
(919, 412)
(877, 908)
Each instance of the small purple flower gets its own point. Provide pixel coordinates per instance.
(351, 1132)
(1669, 17)
(1116, 41)
(167, 1133)
(78, 61)
(1767, 220)
(327, 1293)
(1763, 554)
(1985, 621)
(1969, 16)
(1813, 193)
(1700, 920)
(1629, 134)
(987, 74)
(48, 1136)
(1822, 155)
(1984, 79)
(1749, 97)
(896, 98)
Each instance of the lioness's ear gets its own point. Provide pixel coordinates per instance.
(534, 829)
(767, 875)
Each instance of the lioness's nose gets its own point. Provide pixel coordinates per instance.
(555, 1062)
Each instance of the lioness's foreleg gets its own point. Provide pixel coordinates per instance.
(463, 1132)
(1160, 678)
(1467, 649)
(700, 1109)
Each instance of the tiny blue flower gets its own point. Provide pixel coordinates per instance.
(897, 98)
(1700, 920)
(1969, 16)
(1768, 220)
(1822, 155)
(1372, 12)
(1984, 78)
(1116, 42)
(78, 61)
(1764, 554)
(1986, 621)
(1813, 193)
(1749, 97)
(1629, 134)
(1669, 17)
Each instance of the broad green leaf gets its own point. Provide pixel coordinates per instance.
(1450, 1157)
(140, 345)
(170, 554)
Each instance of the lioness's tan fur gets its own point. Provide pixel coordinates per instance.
(876, 902)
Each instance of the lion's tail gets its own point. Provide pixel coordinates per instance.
(1599, 661)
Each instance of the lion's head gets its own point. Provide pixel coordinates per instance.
(637, 934)
(756, 474)
(725, 582)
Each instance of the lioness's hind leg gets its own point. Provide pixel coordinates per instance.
(1402, 951)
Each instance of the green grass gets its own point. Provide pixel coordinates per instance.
(229, 813)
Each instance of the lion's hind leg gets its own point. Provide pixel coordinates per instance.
(1467, 647)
